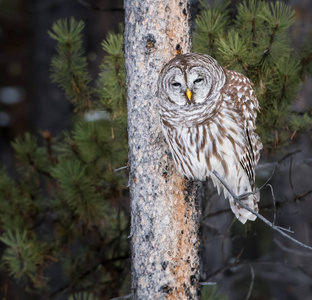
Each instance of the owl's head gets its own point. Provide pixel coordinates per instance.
(190, 79)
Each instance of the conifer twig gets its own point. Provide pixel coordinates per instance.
(238, 200)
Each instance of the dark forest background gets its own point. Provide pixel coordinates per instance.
(238, 258)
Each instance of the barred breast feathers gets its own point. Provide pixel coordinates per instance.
(217, 133)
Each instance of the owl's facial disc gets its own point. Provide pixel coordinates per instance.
(188, 86)
(199, 82)
(176, 87)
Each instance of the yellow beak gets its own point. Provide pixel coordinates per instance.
(188, 94)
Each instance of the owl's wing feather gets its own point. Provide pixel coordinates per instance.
(247, 160)
(242, 93)
(239, 90)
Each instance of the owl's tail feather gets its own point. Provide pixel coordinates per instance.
(243, 214)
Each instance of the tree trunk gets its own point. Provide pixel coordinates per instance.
(164, 211)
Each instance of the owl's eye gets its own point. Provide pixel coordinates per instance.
(176, 84)
(198, 80)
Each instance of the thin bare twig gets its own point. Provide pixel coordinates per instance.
(246, 194)
(208, 283)
(270, 177)
(275, 164)
(292, 251)
(274, 204)
(285, 229)
(290, 154)
(121, 168)
(298, 197)
(237, 199)
(251, 283)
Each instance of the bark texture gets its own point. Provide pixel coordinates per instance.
(164, 231)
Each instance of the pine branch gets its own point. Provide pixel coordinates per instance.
(112, 81)
(209, 25)
(79, 190)
(69, 66)
(306, 58)
(23, 257)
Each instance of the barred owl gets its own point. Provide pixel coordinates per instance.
(208, 114)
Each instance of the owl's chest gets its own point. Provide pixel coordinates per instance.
(199, 150)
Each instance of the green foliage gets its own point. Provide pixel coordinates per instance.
(233, 51)
(256, 42)
(278, 16)
(210, 24)
(10, 202)
(301, 122)
(69, 66)
(79, 190)
(67, 204)
(113, 76)
(29, 156)
(306, 57)
(23, 256)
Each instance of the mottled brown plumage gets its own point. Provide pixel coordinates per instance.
(208, 117)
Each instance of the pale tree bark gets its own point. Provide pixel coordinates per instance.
(164, 211)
